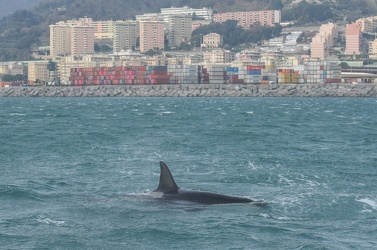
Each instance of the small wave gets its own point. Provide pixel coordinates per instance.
(369, 202)
(17, 114)
(167, 112)
(264, 215)
(16, 192)
(48, 221)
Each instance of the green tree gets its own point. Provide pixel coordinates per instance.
(275, 5)
(51, 65)
(308, 13)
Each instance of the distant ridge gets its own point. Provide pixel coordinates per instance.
(27, 29)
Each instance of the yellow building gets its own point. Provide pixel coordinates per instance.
(38, 71)
(213, 40)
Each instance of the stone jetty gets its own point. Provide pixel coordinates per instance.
(197, 90)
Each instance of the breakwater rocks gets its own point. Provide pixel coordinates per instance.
(197, 90)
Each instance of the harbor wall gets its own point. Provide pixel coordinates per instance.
(197, 90)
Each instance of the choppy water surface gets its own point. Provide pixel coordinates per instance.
(76, 173)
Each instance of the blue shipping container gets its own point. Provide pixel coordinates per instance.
(254, 72)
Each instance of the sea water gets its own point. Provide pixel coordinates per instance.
(76, 173)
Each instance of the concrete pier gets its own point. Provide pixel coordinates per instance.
(197, 90)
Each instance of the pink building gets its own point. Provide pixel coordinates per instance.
(151, 35)
(324, 41)
(245, 19)
(353, 39)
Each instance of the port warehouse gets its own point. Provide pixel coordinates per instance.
(193, 74)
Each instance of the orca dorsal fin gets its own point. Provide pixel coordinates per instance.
(167, 183)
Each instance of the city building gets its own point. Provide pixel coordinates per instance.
(245, 19)
(204, 13)
(38, 71)
(60, 39)
(180, 29)
(213, 40)
(202, 16)
(82, 40)
(323, 41)
(103, 29)
(218, 56)
(353, 39)
(151, 35)
(11, 69)
(125, 35)
(373, 49)
(368, 24)
(71, 38)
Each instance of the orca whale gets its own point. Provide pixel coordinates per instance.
(169, 190)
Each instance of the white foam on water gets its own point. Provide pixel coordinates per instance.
(369, 202)
(49, 221)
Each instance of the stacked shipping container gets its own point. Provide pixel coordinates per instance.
(322, 72)
(314, 72)
(287, 76)
(119, 75)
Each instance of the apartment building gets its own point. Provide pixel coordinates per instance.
(60, 39)
(368, 24)
(11, 69)
(82, 40)
(204, 13)
(151, 35)
(71, 38)
(180, 29)
(373, 49)
(125, 35)
(353, 39)
(218, 56)
(38, 71)
(213, 40)
(323, 41)
(245, 19)
(103, 29)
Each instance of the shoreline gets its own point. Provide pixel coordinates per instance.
(197, 90)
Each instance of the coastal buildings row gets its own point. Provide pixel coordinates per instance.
(78, 36)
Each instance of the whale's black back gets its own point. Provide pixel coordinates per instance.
(171, 191)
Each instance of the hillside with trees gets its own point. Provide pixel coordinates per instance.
(27, 29)
(234, 35)
(10, 6)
